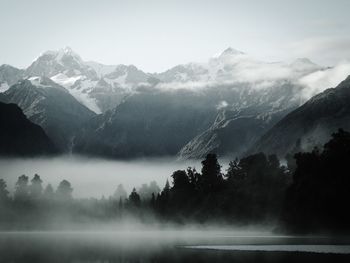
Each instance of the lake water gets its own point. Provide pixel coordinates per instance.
(168, 246)
(96, 177)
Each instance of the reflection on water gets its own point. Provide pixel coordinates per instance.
(163, 246)
(334, 249)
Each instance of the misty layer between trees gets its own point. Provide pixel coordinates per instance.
(309, 194)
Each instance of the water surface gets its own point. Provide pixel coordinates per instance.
(168, 246)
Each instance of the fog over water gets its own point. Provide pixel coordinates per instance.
(92, 177)
(61, 237)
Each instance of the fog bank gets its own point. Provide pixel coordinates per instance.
(92, 177)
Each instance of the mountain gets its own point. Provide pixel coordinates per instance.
(311, 124)
(227, 103)
(261, 94)
(222, 106)
(242, 119)
(98, 87)
(304, 65)
(21, 137)
(188, 123)
(65, 60)
(49, 105)
(8, 76)
(183, 73)
(148, 123)
(102, 87)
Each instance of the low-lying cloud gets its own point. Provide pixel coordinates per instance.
(246, 72)
(324, 49)
(321, 80)
(91, 177)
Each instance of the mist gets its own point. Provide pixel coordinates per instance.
(93, 177)
(87, 229)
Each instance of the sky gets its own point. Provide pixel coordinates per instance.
(155, 35)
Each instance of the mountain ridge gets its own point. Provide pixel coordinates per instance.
(240, 99)
(49, 105)
(21, 138)
(311, 124)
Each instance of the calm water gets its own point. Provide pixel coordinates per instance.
(168, 246)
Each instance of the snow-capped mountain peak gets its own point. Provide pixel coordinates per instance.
(304, 65)
(101, 69)
(231, 52)
(61, 53)
(64, 60)
(102, 87)
(68, 52)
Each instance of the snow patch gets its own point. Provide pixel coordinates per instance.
(4, 86)
(65, 81)
(36, 81)
(86, 100)
(101, 69)
(222, 104)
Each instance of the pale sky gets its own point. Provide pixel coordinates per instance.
(155, 35)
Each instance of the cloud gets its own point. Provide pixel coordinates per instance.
(326, 50)
(243, 69)
(245, 72)
(222, 104)
(318, 81)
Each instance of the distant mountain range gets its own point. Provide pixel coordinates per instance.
(224, 105)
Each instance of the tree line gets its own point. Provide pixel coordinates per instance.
(309, 194)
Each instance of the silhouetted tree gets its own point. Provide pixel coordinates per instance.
(120, 193)
(64, 190)
(120, 204)
(3, 191)
(180, 181)
(21, 189)
(211, 174)
(146, 190)
(163, 199)
(153, 187)
(134, 198)
(166, 190)
(36, 188)
(194, 178)
(153, 201)
(255, 187)
(49, 192)
(234, 172)
(319, 196)
(182, 191)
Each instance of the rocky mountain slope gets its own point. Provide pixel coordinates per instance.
(149, 123)
(50, 106)
(98, 87)
(222, 105)
(21, 137)
(311, 124)
(234, 109)
(8, 76)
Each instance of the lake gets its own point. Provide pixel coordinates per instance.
(168, 246)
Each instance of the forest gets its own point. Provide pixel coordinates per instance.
(307, 195)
